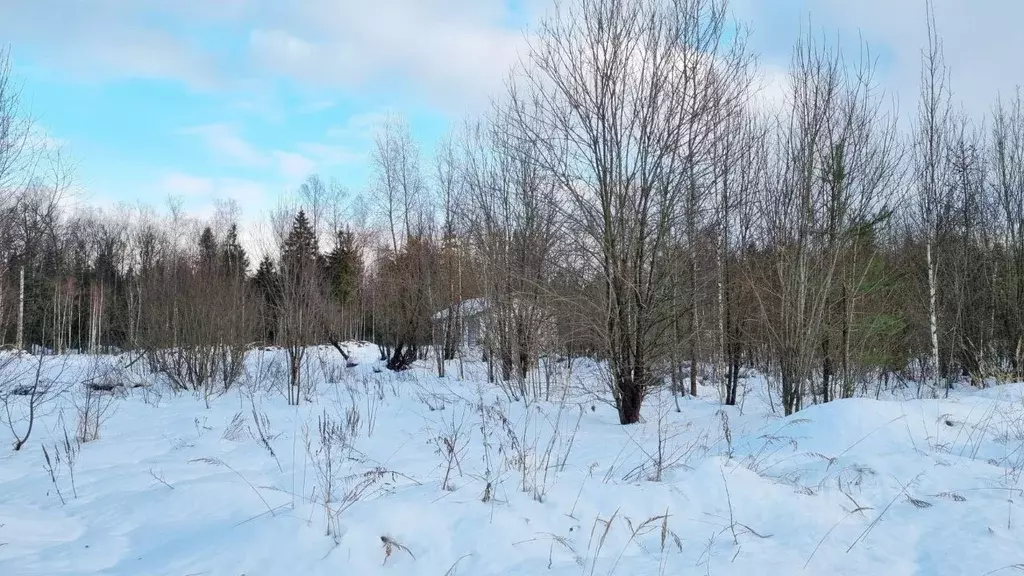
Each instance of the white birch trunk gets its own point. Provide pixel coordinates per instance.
(933, 322)
(723, 383)
(21, 311)
(3, 332)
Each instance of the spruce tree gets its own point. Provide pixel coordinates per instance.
(233, 256)
(207, 248)
(344, 267)
(268, 285)
(267, 281)
(300, 250)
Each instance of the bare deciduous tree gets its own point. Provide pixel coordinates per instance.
(836, 163)
(628, 94)
(930, 170)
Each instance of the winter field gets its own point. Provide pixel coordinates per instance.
(430, 476)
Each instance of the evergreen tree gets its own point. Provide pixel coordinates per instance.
(266, 280)
(300, 249)
(268, 285)
(233, 256)
(207, 248)
(344, 267)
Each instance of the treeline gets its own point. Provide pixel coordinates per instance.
(631, 197)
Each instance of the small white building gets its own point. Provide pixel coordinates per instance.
(474, 316)
(471, 315)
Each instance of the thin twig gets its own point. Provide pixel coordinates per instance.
(159, 479)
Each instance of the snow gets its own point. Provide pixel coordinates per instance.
(862, 486)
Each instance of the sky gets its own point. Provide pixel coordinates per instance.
(242, 99)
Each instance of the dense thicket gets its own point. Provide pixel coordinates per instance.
(631, 197)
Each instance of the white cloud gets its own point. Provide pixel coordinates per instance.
(226, 143)
(106, 38)
(981, 40)
(359, 126)
(447, 51)
(224, 140)
(316, 106)
(186, 185)
(771, 86)
(452, 52)
(292, 165)
(331, 155)
(195, 188)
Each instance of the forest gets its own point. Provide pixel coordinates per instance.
(633, 196)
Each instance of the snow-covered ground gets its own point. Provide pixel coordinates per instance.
(440, 477)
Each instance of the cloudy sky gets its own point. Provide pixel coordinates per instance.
(243, 98)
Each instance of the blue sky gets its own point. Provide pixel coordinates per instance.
(242, 99)
(147, 138)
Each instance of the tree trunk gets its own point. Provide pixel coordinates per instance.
(20, 343)
(826, 371)
(933, 323)
(630, 398)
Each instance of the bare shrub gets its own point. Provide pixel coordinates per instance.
(489, 476)
(373, 397)
(27, 391)
(63, 456)
(203, 370)
(531, 450)
(94, 409)
(263, 434)
(236, 430)
(451, 444)
(352, 420)
(331, 370)
(266, 373)
(555, 454)
(329, 450)
(354, 488)
(673, 449)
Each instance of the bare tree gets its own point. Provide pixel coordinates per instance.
(315, 199)
(625, 99)
(28, 200)
(448, 343)
(404, 289)
(397, 179)
(836, 166)
(970, 240)
(1008, 182)
(17, 149)
(931, 170)
(741, 172)
(512, 214)
(28, 387)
